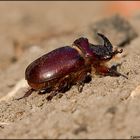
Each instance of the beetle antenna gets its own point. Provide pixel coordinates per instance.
(107, 43)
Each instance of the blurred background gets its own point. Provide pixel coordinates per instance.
(33, 22)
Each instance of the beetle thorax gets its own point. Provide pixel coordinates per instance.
(87, 58)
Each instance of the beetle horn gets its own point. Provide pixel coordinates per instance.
(107, 43)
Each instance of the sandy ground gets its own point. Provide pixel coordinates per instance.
(108, 107)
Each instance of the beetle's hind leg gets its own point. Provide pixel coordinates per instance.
(28, 93)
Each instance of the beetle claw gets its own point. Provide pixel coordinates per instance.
(80, 86)
(52, 94)
(113, 71)
(117, 51)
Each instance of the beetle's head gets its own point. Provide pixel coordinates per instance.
(83, 45)
(104, 52)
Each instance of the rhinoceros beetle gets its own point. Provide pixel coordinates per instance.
(61, 68)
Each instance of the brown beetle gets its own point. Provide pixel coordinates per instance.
(61, 68)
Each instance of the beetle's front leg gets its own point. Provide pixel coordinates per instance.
(106, 71)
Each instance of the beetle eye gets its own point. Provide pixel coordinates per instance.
(107, 57)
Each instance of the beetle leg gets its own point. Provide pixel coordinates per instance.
(51, 95)
(80, 86)
(65, 83)
(62, 85)
(113, 71)
(28, 93)
(55, 92)
(104, 70)
(82, 78)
